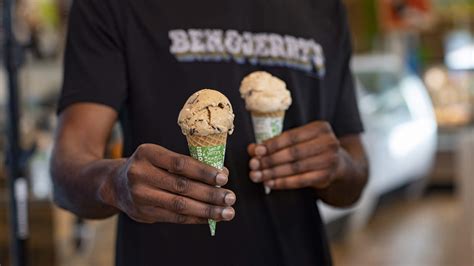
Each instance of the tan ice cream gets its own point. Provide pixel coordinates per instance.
(206, 112)
(264, 93)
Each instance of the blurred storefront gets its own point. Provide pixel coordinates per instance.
(414, 66)
(431, 42)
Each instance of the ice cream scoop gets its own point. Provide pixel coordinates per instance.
(264, 93)
(206, 112)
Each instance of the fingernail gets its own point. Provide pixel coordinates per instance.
(221, 179)
(229, 198)
(228, 213)
(270, 183)
(256, 176)
(260, 150)
(254, 164)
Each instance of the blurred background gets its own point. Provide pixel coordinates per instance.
(414, 66)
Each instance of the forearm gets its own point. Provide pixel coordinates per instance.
(349, 181)
(77, 185)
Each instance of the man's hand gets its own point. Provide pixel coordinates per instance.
(157, 185)
(308, 156)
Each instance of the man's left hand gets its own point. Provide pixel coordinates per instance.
(308, 156)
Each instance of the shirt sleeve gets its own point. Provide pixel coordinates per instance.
(346, 120)
(94, 64)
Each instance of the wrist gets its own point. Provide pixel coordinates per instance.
(343, 165)
(107, 193)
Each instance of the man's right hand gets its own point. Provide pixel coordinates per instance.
(158, 185)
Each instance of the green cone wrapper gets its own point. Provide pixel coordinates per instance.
(209, 150)
(267, 126)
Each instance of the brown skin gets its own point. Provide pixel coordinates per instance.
(152, 185)
(312, 156)
(158, 185)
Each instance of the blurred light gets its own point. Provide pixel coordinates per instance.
(405, 138)
(461, 59)
(459, 50)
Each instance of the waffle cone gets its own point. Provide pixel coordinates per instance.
(270, 114)
(207, 141)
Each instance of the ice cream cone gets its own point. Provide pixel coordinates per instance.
(206, 120)
(267, 98)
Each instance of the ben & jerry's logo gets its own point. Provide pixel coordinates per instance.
(270, 49)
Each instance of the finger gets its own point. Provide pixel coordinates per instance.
(256, 176)
(256, 150)
(300, 151)
(182, 165)
(314, 163)
(296, 135)
(149, 214)
(251, 149)
(226, 171)
(183, 186)
(317, 179)
(254, 164)
(183, 205)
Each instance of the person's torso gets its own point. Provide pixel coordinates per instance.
(174, 48)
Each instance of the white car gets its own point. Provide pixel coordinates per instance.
(400, 131)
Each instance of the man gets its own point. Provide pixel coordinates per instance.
(138, 61)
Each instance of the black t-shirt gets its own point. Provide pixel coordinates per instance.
(144, 58)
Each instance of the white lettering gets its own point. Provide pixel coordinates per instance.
(247, 44)
(197, 43)
(214, 41)
(305, 48)
(317, 54)
(233, 42)
(292, 48)
(277, 46)
(261, 48)
(179, 41)
(269, 49)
